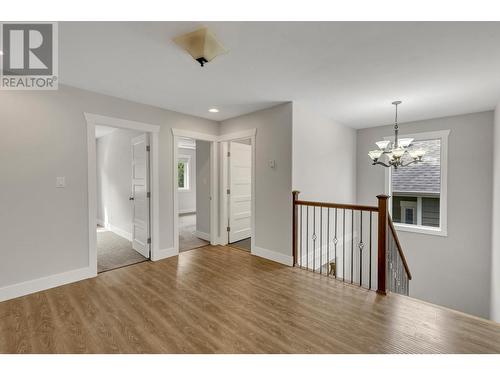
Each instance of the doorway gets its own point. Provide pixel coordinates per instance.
(123, 219)
(193, 190)
(194, 165)
(123, 192)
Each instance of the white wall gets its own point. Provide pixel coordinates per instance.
(114, 179)
(452, 271)
(495, 223)
(203, 187)
(187, 199)
(44, 230)
(324, 157)
(273, 187)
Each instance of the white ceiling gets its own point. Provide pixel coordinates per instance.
(349, 71)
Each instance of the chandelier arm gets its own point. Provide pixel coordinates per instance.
(380, 163)
(411, 162)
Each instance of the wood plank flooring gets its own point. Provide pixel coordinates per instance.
(224, 300)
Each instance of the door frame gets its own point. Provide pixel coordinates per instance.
(212, 139)
(153, 131)
(223, 140)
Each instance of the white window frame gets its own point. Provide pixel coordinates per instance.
(442, 230)
(187, 170)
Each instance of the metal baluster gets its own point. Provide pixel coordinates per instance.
(361, 248)
(307, 237)
(370, 263)
(343, 248)
(335, 240)
(328, 241)
(352, 246)
(320, 240)
(314, 239)
(301, 234)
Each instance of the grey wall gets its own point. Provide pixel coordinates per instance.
(114, 179)
(453, 271)
(273, 187)
(495, 223)
(187, 199)
(203, 187)
(44, 229)
(324, 157)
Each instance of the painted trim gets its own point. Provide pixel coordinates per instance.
(120, 123)
(273, 255)
(244, 134)
(118, 231)
(194, 135)
(202, 235)
(43, 283)
(153, 130)
(163, 254)
(443, 135)
(187, 210)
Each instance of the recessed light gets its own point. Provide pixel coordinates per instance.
(213, 110)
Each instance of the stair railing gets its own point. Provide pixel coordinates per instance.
(337, 240)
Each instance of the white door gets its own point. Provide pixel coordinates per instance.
(240, 191)
(139, 197)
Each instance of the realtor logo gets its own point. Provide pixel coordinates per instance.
(28, 58)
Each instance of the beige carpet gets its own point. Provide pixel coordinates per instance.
(187, 239)
(114, 251)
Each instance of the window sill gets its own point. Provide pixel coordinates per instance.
(186, 190)
(421, 229)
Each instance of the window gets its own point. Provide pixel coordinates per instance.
(183, 172)
(418, 191)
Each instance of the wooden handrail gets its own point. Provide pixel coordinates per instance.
(384, 221)
(337, 205)
(399, 247)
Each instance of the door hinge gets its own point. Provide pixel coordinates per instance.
(228, 191)
(148, 194)
(148, 148)
(149, 240)
(228, 229)
(228, 154)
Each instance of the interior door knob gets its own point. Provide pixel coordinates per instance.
(130, 198)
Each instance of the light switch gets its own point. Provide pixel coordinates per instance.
(60, 182)
(272, 164)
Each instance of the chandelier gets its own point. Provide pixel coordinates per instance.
(393, 152)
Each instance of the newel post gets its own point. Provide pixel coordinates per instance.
(295, 198)
(382, 244)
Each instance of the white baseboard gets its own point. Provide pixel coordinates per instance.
(43, 283)
(187, 211)
(163, 253)
(118, 231)
(202, 235)
(273, 255)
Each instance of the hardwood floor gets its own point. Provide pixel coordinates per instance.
(223, 300)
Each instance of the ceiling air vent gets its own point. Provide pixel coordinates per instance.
(201, 44)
